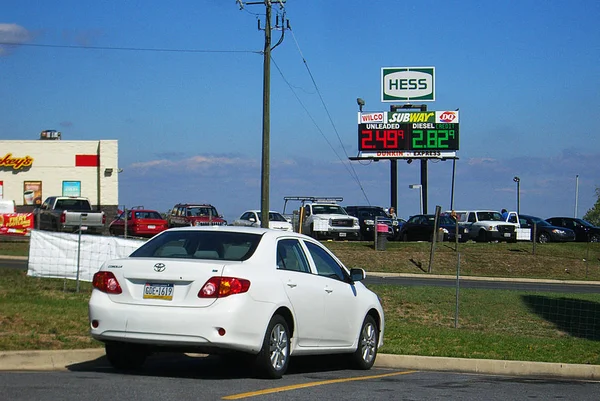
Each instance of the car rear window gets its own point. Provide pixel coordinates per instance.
(210, 245)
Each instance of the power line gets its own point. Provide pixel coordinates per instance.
(353, 172)
(137, 49)
(354, 176)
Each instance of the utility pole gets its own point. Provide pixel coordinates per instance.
(266, 125)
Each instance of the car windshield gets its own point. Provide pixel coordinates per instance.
(372, 213)
(202, 211)
(273, 216)
(187, 244)
(147, 215)
(447, 221)
(328, 209)
(489, 216)
(586, 223)
(538, 221)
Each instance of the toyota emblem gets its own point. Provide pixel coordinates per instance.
(159, 267)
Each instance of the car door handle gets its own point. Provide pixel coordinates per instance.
(292, 285)
(328, 290)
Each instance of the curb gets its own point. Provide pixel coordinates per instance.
(62, 359)
(490, 366)
(47, 360)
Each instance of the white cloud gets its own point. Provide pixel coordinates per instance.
(14, 35)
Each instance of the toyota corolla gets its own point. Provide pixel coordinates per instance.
(264, 294)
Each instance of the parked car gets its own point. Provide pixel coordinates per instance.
(140, 223)
(265, 293)
(252, 218)
(544, 231)
(366, 218)
(194, 214)
(584, 230)
(420, 228)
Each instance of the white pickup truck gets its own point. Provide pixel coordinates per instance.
(323, 218)
(487, 225)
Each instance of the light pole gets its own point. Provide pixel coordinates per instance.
(518, 181)
(420, 188)
(576, 194)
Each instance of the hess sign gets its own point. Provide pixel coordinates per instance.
(407, 84)
(412, 134)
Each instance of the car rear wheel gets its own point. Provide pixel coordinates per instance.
(543, 238)
(595, 238)
(368, 339)
(124, 356)
(274, 357)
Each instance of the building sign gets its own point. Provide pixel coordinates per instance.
(71, 188)
(16, 163)
(425, 134)
(32, 193)
(406, 84)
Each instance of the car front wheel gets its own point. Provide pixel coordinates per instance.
(274, 357)
(366, 352)
(543, 238)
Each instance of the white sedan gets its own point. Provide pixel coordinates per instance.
(251, 218)
(221, 289)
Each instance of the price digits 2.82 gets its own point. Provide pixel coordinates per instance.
(432, 139)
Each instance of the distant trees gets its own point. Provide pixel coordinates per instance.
(593, 215)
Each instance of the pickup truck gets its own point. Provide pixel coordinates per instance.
(323, 218)
(486, 225)
(68, 214)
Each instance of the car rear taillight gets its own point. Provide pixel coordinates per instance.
(63, 217)
(106, 282)
(220, 287)
(103, 219)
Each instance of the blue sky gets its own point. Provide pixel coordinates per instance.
(189, 118)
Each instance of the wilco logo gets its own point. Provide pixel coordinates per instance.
(448, 117)
(371, 118)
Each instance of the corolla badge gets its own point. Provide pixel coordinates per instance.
(159, 267)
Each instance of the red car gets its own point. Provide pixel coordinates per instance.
(140, 223)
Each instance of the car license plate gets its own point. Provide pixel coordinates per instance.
(151, 226)
(158, 291)
(342, 234)
(507, 235)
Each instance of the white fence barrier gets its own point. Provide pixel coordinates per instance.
(54, 254)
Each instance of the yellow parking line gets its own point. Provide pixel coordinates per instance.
(311, 384)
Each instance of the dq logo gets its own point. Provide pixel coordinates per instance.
(448, 117)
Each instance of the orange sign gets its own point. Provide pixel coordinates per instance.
(16, 223)
(15, 162)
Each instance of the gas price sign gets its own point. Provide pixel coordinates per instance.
(408, 134)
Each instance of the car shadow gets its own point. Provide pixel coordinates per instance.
(212, 367)
(577, 317)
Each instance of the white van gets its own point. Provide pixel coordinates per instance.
(7, 206)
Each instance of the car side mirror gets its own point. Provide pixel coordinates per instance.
(357, 274)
